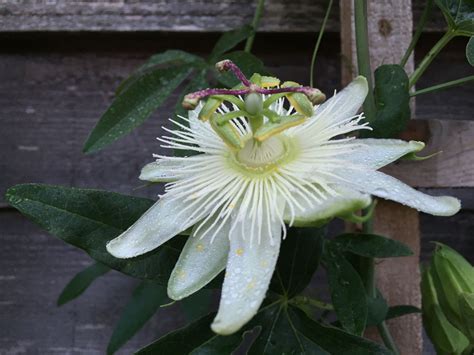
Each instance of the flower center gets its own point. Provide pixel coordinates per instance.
(257, 158)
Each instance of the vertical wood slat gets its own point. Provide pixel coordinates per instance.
(390, 27)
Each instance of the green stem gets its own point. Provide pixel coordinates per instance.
(318, 42)
(387, 337)
(419, 29)
(363, 57)
(255, 22)
(443, 86)
(448, 36)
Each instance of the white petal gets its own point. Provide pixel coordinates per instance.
(376, 153)
(387, 187)
(344, 104)
(348, 201)
(160, 171)
(157, 225)
(200, 261)
(248, 274)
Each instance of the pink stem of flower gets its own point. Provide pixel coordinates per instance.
(209, 92)
(226, 65)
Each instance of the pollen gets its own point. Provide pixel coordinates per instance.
(200, 247)
(239, 251)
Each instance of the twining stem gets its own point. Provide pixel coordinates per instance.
(318, 42)
(255, 22)
(443, 86)
(419, 29)
(448, 36)
(363, 57)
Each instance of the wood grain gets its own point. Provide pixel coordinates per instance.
(390, 30)
(171, 15)
(453, 166)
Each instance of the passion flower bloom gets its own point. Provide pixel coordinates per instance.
(239, 200)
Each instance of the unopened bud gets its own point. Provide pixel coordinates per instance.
(454, 280)
(446, 338)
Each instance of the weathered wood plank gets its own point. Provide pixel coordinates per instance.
(452, 167)
(174, 15)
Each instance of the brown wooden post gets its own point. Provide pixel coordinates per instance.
(390, 30)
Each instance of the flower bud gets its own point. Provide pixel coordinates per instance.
(454, 281)
(446, 338)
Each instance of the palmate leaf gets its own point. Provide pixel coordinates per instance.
(300, 254)
(81, 282)
(282, 329)
(459, 15)
(392, 102)
(229, 40)
(371, 245)
(347, 290)
(88, 219)
(169, 58)
(145, 301)
(135, 104)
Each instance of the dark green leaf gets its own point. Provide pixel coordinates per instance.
(392, 102)
(88, 219)
(229, 40)
(81, 282)
(371, 245)
(171, 57)
(347, 291)
(333, 340)
(401, 310)
(248, 63)
(197, 305)
(146, 300)
(134, 105)
(377, 309)
(470, 51)
(278, 335)
(299, 258)
(459, 15)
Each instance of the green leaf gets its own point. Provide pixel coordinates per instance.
(347, 291)
(229, 40)
(134, 105)
(81, 282)
(401, 310)
(197, 305)
(171, 57)
(278, 334)
(459, 15)
(333, 340)
(372, 245)
(470, 51)
(88, 219)
(392, 102)
(146, 300)
(300, 254)
(248, 63)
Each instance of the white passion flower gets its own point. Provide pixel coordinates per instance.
(239, 201)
